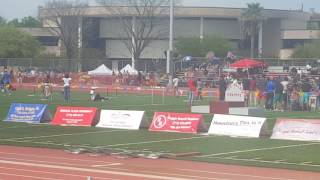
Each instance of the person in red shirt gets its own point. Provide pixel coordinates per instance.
(192, 90)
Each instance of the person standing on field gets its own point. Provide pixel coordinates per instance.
(66, 87)
(175, 86)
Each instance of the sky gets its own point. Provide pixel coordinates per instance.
(10, 9)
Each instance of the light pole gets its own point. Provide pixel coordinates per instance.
(169, 52)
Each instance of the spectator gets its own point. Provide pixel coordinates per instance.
(270, 91)
(175, 86)
(285, 93)
(199, 89)
(278, 93)
(222, 88)
(192, 89)
(306, 89)
(66, 87)
(252, 91)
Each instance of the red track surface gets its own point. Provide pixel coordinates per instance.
(34, 163)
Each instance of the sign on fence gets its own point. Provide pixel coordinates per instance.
(29, 113)
(234, 93)
(177, 122)
(122, 119)
(74, 116)
(297, 129)
(230, 125)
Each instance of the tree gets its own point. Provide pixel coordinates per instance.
(25, 22)
(16, 44)
(251, 18)
(308, 50)
(2, 21)
(199, 48)
(64, 19)
(142, 27)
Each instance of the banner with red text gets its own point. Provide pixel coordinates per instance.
(177, 122)
(74, 116)
(297, 129)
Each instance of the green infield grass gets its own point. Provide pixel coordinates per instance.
(262, 152)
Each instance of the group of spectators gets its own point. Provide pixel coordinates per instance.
(275, 93)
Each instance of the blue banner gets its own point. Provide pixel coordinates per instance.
(29, 113)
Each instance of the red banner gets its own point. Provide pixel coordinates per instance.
(177, 122)
(74, 116)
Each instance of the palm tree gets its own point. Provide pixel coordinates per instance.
(251, 18)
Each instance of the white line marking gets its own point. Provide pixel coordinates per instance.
(58, 135)
(92, 170)
(234, 174)
(33, 177)
(149, 142)
(49, 157)
(308, 162)
(270, 162)
(259, 149)
(48, 172)
(106, 165)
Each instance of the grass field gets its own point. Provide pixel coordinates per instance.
(214, 149)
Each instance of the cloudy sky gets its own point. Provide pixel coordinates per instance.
(20, 8)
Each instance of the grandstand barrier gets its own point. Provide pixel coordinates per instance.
(75, 116)
(247, 111)
(177, 122)
(239, 126)
(122, 119)
(297, 129)
(28, 113)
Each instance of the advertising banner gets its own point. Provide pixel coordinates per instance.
(122, 119)
(230, 125)
(29, 113)
(177, 122)
(74, 116)
(297, 129)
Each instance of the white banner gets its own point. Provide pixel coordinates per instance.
(234, 93)
(297, 129)
(120, 119)
(230, 125)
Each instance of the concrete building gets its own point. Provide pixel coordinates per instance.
(280, 30)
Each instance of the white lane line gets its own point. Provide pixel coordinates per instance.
(258, 149)
(235, 174)
(55, 173)
(114, 145)
(4, 154)
(38, 161)
(150, 142)
(106, 165)
(24, 176)
(92, 170)
(270, 162)
(59, 135)
(308, 162)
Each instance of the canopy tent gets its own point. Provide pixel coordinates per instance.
(129, 69)
(101, 70)
(248, 63)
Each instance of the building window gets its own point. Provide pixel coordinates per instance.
(313, 25)
(48, 40)
(292, 43)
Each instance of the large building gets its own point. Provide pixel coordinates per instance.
(280, 31)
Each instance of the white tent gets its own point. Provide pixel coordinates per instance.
(101, 70)
(129, 69)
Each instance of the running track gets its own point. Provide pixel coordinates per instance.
(47, 164)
